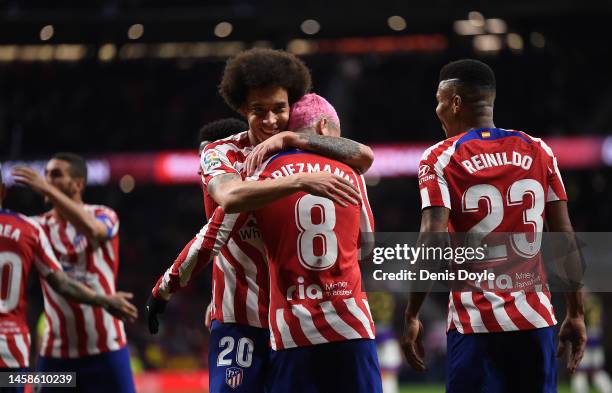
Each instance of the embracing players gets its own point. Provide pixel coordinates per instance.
(24, 244)
(497, 341)
(319, 315)
(85, 239)
(261, 85)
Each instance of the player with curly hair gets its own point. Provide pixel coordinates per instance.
(260, 84)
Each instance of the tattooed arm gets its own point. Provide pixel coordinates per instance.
(352, 153)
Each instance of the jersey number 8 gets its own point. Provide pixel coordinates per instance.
(322, 232)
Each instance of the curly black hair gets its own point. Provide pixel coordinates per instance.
(257, 68)
(221, 128)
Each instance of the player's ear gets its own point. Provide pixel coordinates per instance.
(79, 184)
(322, 127)
(456, 103)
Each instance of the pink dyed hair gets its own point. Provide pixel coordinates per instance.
(310, 108)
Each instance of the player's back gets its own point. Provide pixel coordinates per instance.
(510, 170)
(312, 244)
(497, 181)
(21, 246)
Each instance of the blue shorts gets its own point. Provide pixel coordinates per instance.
(17, 389)
(238, 358)
(101, 373)
(507, 362)
(345, 366)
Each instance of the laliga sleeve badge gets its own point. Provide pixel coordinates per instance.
(234, 377)
(211, 161)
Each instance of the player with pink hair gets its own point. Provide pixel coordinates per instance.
(310, 330)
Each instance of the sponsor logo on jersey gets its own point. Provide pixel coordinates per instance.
(424, 174)
(423, 170)
(250, 231)
(211, 160)
(234, 377)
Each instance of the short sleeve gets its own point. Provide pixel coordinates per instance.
(214, 161)
(110, 220)
(45, 260)
(556, 189)
(432, 185)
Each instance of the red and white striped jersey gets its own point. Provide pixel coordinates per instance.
(313, 246)
(240, 272)
(23, 243)
(76, 330)
(495, 180)
(316, 294)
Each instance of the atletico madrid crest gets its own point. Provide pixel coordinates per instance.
(233, 377)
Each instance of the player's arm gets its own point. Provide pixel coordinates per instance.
(84, 222)
(366, 221)
(236, 195)
(196, 255)
(49, 267)
(572, 334)
(352, 153)
(433, 233)
(117, 304)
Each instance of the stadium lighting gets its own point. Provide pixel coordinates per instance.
(223, 29)
(8, 52)
(107, 52)
(465, 27)
(46, 33)
(127, 184)
(487, 43)
(310, 26)
(537, 39)
(300, 47)
(515, 42)
(496, 26)
(476, 19)
(135, 31)
(396, 23)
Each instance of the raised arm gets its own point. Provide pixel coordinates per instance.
(72, 211)
(352, 153)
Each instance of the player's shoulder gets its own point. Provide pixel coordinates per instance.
(445, 147)
(233, 142)
(98, 210)
(19, 221)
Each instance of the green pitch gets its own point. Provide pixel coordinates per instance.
(440, 389)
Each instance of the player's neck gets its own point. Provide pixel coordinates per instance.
(476, 124)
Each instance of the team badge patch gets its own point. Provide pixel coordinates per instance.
(486, 134)
(234, 377)
(211, 161)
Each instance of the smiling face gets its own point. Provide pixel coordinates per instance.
(267, 112)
